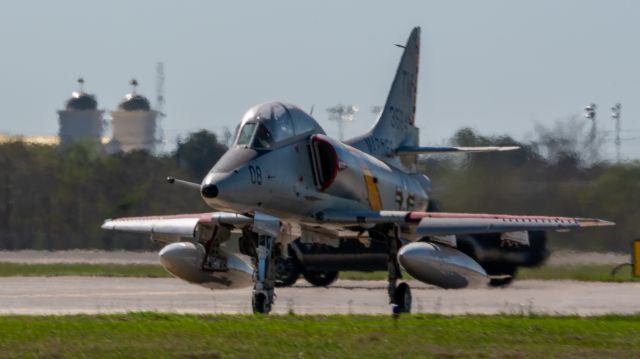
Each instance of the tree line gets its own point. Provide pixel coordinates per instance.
(57, 197)
(559, 171)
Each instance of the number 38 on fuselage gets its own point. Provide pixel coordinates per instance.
(282, 162)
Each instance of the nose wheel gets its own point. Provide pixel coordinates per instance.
(264, 276)
(261, 303)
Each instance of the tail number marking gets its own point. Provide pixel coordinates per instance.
(256, 175)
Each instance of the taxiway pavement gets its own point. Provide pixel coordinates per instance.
(92, 295)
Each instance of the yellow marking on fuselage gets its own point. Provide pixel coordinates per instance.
(373, 194)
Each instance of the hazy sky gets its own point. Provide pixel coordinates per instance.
(497, 66)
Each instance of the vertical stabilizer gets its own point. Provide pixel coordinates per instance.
(395, 126)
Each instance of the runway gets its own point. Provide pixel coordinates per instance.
(91, 295)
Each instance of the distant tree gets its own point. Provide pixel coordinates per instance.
(57, 197)
(228, 136)
(468, 137)
(569, 140)
(198, 153)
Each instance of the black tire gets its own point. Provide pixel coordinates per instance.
(402, 298)
(259, 304)
(509, 270)
(320, 278)
(287, 272)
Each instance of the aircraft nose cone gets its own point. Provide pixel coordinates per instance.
(209, 191)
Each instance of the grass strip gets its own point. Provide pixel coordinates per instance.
(338, 336)
(600, 273)
(585, 272)
(82, 269)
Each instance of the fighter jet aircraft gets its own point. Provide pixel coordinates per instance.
(284, 180)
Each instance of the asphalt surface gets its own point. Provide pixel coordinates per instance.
(70, 295)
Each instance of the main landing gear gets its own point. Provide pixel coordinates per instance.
(264, 276)
(399, 294)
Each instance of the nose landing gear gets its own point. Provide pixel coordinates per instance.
(263, 293)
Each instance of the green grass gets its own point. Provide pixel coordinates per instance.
(417, 336)
(588, 272)
(582, 272)
(585, 272)
(82, 269)
(352, 275)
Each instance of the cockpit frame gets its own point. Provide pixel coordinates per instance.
(274, 124)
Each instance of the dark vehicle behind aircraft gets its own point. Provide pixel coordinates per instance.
(320, 264)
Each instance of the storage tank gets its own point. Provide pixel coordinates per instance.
(134, 124)
(80, 119)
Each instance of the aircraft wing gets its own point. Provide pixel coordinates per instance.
(181, 225)
(442, 223)
(406, 150)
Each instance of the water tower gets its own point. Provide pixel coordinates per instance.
(80, 120)
(134, 124)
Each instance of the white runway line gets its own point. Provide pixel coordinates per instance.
(70, 295)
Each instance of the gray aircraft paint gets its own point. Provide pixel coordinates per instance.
(283, 178)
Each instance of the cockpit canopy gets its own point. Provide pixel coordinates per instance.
(273, 123)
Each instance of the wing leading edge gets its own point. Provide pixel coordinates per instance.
(181, 225)
(442, 223)
(444, 149)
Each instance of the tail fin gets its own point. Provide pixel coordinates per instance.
(395, 125)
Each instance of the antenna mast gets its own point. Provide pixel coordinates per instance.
(134, 85)
(160, 102)
(80, 84)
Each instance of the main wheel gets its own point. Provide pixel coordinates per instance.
(507, 270)
(402, 298)
(287, 272)
(320, 278)
(260, 304)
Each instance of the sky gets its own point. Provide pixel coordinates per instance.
(498, 66)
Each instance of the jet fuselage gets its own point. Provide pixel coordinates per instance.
(303, 177)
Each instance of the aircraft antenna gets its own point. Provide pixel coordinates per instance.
(342, 114)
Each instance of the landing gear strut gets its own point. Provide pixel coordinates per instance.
(400, 295)
(264, 276)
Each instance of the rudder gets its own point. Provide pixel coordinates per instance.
(395, 125)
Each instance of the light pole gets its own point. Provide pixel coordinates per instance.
(590, 113)
(341, 114)
(616, 110)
